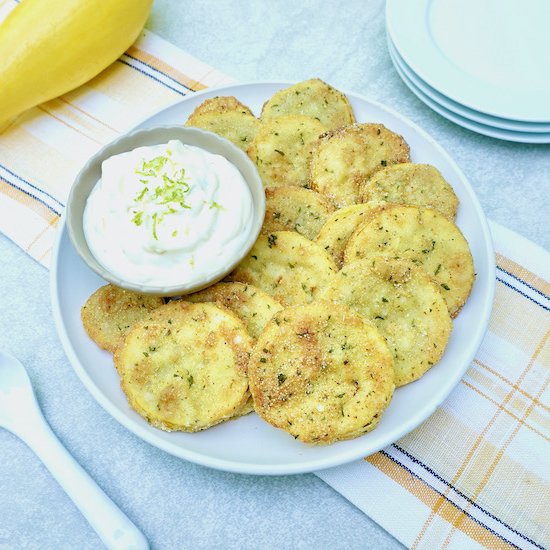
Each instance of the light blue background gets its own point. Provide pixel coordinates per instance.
(177, 504)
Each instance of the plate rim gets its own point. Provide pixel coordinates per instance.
(435, 60)
(468, 123)
(463, 111)
(308, 465)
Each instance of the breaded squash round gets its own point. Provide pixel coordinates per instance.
(406, 306)
(321, 372)
(295, 209)
(313, 98)
(334, 235)
(343, 159)
(286, 265)
(425, 237)
(416, 184)
(227, 117)
(282, 148)
(110, 311)
(250, 304)
(184, 366)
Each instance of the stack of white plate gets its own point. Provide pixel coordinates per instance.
(483, 64)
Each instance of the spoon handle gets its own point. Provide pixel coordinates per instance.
(112, 526)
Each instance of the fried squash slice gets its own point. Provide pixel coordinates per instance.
(227, 117)
(321, 372)
(415, 184)
(282, 148)
(313, 98)
(184, 367)
(110, 311)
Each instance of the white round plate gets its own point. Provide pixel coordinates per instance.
(490, 131)
(490, 55)
(457, 108)
(249, 445)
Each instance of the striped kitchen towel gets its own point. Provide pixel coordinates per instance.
(477, 472)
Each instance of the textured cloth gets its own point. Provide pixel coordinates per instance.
(476, 472)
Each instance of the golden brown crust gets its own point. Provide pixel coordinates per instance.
(403, 302)
(110, 311)
(184, 366)
(425, 237)
(287, 266)
(343, 159)
(282, 148)
(295, 209)
(313, 98)
(415, 184)
(249, 303)
(227, 117)
(221, 105)
(334, 235)
(321, 372)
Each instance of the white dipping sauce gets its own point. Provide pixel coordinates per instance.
(167, 214)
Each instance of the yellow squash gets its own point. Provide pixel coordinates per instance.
(48, 47)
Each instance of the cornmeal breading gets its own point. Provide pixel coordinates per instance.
(343, 159)
(321, 372)
(289, 267)
(295, 209)
(110, 311)
(406, 306)
(282, 148)
(184, 367)
(425, 237)
(313, 98)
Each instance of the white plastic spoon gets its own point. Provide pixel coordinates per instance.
(21, 415)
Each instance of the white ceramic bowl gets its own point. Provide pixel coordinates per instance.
(154, 135)
(248, 444)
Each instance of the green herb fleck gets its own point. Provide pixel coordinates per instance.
(445, 286)
(281, 378)
(155, 223)
(138, 218)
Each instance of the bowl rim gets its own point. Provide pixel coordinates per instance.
(188, 136)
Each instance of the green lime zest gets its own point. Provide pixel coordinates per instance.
(152, 167)
(170, 193)
(138, 218)
(155, 219)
